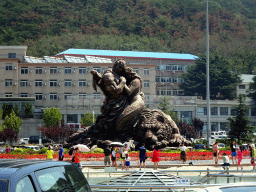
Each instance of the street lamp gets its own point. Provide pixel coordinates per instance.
(207, 76)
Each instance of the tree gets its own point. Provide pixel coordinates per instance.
(198, 124)
(28, 109)
(52, 117)
(240, 127)
(222, 80)
(6, 110)
(187, 130)
(252, 89)
(87, 119)
(11, 127)
(164, 105)
(57, 133)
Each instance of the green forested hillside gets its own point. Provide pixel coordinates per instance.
(51, 26)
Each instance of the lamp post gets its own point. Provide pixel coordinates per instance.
(207, 76)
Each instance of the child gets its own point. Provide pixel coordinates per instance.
(240, 157)
(225, 159)
(127, 161)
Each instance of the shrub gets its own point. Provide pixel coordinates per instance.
(43, 150)
(18, 150)
(98, 150)
(28, 150)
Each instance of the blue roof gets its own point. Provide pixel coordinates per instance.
(113, 53)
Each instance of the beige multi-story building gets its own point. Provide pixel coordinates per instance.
(64, 81)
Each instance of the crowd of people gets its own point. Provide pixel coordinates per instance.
(237, 154)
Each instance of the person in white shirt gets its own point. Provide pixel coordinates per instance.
(113, 157)
(183, 156)
(127, 162)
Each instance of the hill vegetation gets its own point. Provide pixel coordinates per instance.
(48, 27)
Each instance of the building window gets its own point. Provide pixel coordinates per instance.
(53, 70)
(24, 95)
(82, 95)
(180, 80)
(241, 86)
(180, 67)
(180, 93)
(202, 111)
(67, 70)
(67, 96)
(82, 70)
(163, 92)
(214, 126)
(11, 55)
(223, 110)
(166, 79)
(157, 79)
(53, 83)
(39, 70)
(23, 83)
(39, 96)
(8, 67)
(214, 110)
(53, 96)
(224, 126)
(146, 71)
(68, 82)
(146, 83)
(24, 70)
(38, 83)
(253, 111)
(174, 67)
(8, 94)
(82, 82)
(96, 95)
(168, 67)
(136, 70)
(8, 82)
(175, 92)
(233, 111)
(97, 69)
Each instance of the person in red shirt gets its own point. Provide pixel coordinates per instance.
(77, 160)
(7, 150)
(156, 157)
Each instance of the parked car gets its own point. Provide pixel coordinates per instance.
(2, 149)
(37, 175)
(35, 139)
(221, 145)
(36, 148)
(199, 146)
(23, 141)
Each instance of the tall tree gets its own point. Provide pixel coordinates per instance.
(187, 130)
(198, 124)
(252, 89)
(87, 119)
(222, 80)
(10, 127)
(52, 117)
(240, 127)
(165, 106)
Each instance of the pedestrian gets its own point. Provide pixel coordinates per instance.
(253, 157)
(240, 157)
(77, 160)
(7, 150)
(233, 152)
(124, 153)
(183, 155)
(225, 159)
(113, 157)
(156, 157)
(49, 153)
(127, 162)
(61, 153)
(215, 150)
(107, 153)
(142, 155)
